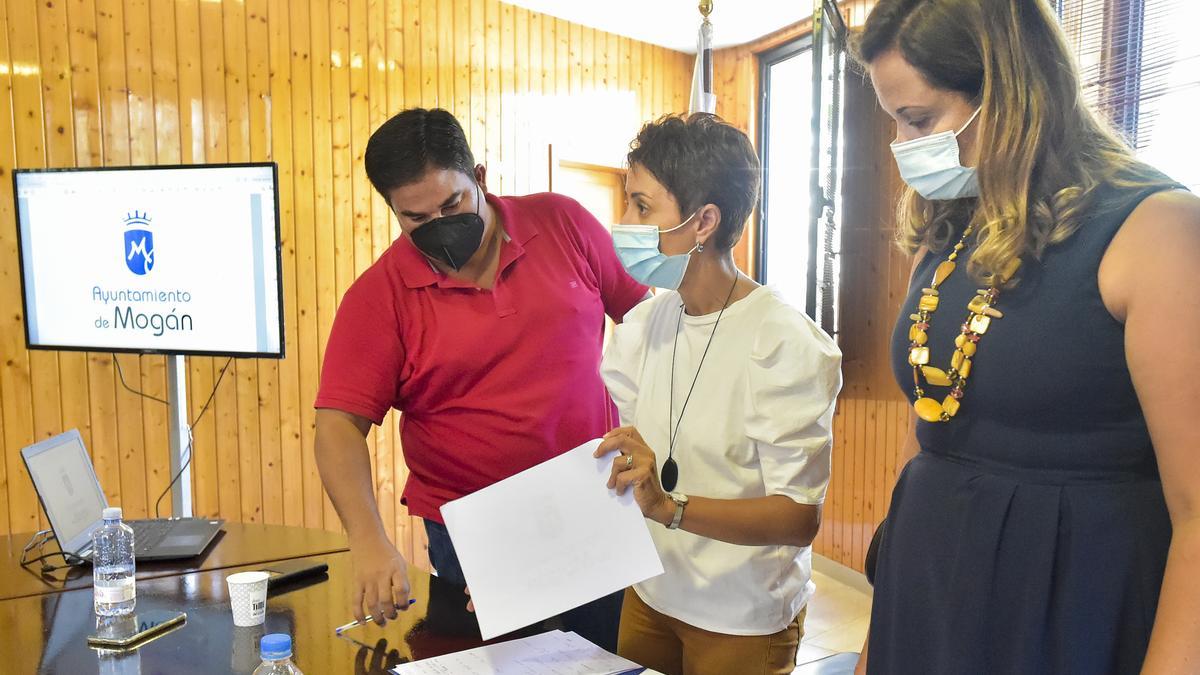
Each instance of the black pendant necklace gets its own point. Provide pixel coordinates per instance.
(670, 470)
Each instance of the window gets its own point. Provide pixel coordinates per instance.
(801, 122)
(1140, 66)
(784, 239)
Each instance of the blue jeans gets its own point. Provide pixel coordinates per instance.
(597, 621)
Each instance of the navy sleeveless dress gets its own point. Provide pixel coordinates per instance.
(1030, 533)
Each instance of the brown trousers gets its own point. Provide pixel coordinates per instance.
(655, 640)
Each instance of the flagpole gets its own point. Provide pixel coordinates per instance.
(703, 98)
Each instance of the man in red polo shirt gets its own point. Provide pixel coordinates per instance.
(482, 324)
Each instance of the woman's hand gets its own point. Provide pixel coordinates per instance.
(637, 467)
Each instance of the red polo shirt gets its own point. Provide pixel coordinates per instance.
(493, 382)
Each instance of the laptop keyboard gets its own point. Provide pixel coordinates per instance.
(149, 533)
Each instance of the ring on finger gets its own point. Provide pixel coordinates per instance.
(628, 461)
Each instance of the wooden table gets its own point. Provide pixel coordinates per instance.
(237, 544)
(47, 633)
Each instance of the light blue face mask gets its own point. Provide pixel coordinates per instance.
(637, 247)
(930, 165)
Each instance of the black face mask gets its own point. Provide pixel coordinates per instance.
(450, 239)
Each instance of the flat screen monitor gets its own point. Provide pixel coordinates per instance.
(156, 259)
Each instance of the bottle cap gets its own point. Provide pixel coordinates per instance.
(276, 646)
(112, 513)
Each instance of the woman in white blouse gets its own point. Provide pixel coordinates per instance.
(726, 394)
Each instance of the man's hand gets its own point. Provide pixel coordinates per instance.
(380, 581)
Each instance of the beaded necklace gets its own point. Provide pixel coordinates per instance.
(980, 313)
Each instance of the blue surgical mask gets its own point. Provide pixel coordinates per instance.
(637, 247)
(930, 165)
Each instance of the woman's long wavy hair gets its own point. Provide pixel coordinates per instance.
(1043, 150)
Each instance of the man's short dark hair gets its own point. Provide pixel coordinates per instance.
(412, 142)
(701, 159)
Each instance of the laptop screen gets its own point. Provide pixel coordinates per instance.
(62, 473)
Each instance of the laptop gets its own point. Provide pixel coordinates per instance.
(70, 493)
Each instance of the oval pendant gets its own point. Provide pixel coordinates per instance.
(670, 474)
(928, 410)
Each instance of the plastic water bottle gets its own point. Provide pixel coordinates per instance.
(113, 566)
(276, 652)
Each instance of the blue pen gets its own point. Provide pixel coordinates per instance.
(356, 622)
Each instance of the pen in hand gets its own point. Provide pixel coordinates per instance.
(356, 622)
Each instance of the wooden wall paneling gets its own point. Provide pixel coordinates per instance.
(4, 527)
(57, 148)
(445, 54)
(622, 77)
(353, 202)
(682, 91)
(387, 447)
(430, 58)
(398, 78)
(190, 103)
(545, 51)
(520, 164)
(397, 73)
(637, 79)
(85, 113)
(388, 451)
(587, 58)
(533, 168)
(243, 390)
(489, 153)
(575, 57)
(152, 375)
(60, 151)
(360, 83)
(896, 428)
(477, 64)
(871, 476)
(609, 66)
(264, 402)
(85, 88)
(845, 479)
(165, 87)
(116, 94)
(562, 58)
(461, 67)
(552, 66)
(609, 78)
(658, 85)
(17, 496)
(325, 274)
(827, 541)
(305, 243)
(852, 479)
(851, 462)
(506, 152)
(292, 459)
(31, 152)
(224, 407)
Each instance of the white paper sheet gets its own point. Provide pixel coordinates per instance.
(547, 540)
(553, 653)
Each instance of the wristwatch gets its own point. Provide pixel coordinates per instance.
(681, 501)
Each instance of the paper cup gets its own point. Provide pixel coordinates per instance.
(248, 596)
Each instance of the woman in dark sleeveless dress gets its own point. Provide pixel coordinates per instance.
(1050, 522)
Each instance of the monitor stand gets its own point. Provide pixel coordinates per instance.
(177, 423)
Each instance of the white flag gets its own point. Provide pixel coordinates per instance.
(703, 98)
